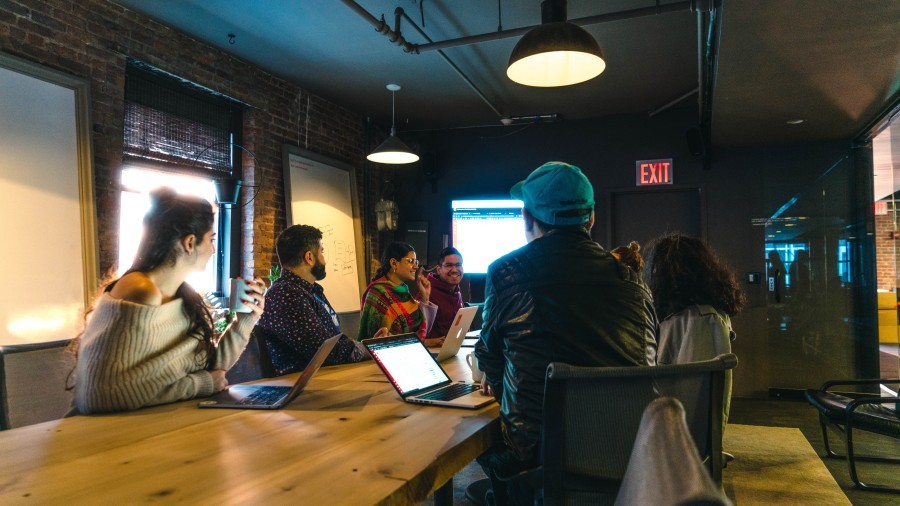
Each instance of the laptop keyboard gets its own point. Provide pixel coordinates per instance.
(266, 395)
(449, 392)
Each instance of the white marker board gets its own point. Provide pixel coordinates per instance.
(321, 192)
(49, 248)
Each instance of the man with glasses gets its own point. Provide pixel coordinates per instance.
(298, 316)
(559, 298)
(445, 290)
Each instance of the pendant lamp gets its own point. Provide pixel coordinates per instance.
(556, 53)
(393, 150)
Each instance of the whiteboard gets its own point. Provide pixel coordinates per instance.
(46, 203)
(321, 192)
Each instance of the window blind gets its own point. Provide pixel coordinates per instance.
(174, 122)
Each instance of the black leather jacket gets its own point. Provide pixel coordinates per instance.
(560, 298)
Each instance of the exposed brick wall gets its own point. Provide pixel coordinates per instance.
(92, 39)
(886, 258)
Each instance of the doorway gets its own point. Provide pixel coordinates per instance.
(886, 186)
(642, 215)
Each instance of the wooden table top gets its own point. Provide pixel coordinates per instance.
(347, 439)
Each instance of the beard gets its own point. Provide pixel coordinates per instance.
(318, 271)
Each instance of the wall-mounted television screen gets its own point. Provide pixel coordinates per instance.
(485, 230)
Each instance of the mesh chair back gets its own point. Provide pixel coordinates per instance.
(33, 383)
(254, 362)
(592, 415)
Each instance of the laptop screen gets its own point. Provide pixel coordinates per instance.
(407, 363)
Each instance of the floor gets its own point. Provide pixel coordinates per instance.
(783, 413)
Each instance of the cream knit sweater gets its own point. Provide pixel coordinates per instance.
(132, 355)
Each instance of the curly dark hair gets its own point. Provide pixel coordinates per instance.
(682, 271)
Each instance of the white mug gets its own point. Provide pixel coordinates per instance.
(477, 373)
(238, 291)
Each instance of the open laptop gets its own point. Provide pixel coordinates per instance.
(456, 333)
(417, 376)
(472, 337)
(270, 396)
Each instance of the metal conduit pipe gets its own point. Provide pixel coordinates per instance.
(382, 27)
(672, 102)
(400, 12)
(590, 20)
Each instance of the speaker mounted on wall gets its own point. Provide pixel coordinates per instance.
(696, 142)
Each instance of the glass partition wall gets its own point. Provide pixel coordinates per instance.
(810, 278)
(832, 271)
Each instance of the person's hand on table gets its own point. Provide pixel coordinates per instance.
(433, 342)
(486, 387)
(219, 381)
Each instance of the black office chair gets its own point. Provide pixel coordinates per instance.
(592, 414)
(33, 383)
(254, 363)
(664, 468)
(870, 413)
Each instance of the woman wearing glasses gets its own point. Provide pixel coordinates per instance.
(388, 302)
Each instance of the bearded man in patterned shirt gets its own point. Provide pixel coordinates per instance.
(298, 316)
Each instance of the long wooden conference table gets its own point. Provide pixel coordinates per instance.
(347, 439)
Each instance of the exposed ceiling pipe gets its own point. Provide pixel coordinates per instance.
(669, 104)
(396, 38)
(535, 118)
(590, 20)
(400, 12)
(708, 75)
(381, 27)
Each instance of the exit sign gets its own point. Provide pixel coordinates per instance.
(653, 172)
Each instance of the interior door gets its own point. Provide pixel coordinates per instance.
(642, 214)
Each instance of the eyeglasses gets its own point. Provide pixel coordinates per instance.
(448, 266)
(412, 261)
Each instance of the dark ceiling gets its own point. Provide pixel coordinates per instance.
(833, 63)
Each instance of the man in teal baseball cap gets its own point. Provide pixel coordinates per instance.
(559, 298)
(556, 194)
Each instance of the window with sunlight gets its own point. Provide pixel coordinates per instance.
(137, 183)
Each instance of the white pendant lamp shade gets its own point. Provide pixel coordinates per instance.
(555, 54)
(392, 150)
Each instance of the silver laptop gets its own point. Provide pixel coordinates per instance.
(270, 396)
(472, 337)
(456, 333)
(417, 376)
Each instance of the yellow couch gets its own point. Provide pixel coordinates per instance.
(887, 317)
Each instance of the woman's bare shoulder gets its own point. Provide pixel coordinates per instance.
(137, 287)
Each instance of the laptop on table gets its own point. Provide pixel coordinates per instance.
(417, 376)
(270, 396)
(472, 337)
(457, 333)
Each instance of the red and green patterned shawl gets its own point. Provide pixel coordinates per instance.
(386, 305)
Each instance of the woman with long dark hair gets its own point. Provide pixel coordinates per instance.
(695, 295)
(388, 302)
(149, 338)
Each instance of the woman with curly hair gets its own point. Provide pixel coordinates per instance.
(149, 337)
(695, 295)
